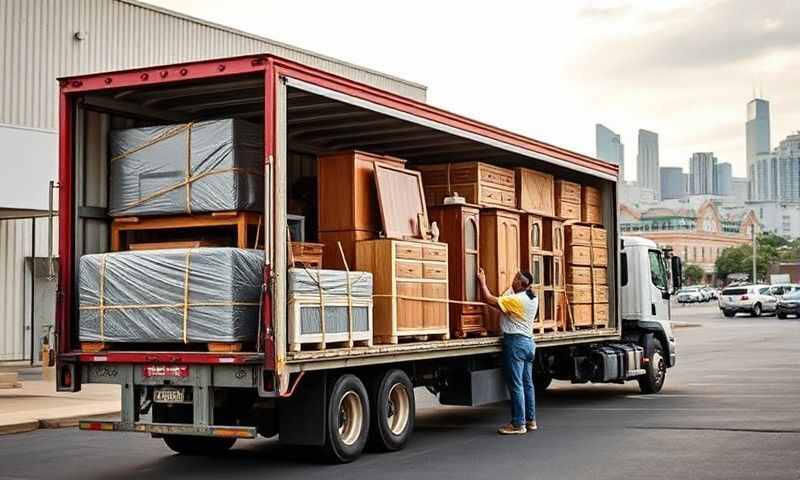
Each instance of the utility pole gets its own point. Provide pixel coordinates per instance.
(753, 231)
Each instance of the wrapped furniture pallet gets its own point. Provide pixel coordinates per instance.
(209, 166)
(343, 299)
(203, 295)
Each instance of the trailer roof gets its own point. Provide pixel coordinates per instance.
(397, 125)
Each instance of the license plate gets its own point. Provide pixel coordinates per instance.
(168, 395)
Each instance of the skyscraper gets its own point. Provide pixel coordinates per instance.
(758, 133)
(672, 183)
(723, 178)
(610, 147)
(647, 161)
(776, 175)
(702, 168)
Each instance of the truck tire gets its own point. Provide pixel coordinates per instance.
(393, 410)
(756, 310)
(729, 314)
(653, 380)
(193, 445)
(782, 316)
(348, 420)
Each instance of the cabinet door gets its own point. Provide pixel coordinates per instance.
(470, 258)
(510, 257)
(434, 313)
(409, 312)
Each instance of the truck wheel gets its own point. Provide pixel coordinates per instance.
(729, 314)
(191, 445)
(782, 316)
(653, 380)
(757, 310)
(348, 420)
(393, 411)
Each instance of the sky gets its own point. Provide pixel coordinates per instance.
(552, 70)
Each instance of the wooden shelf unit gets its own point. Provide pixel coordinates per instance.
(500, 254)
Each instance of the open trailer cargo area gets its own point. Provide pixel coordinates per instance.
(377, 213)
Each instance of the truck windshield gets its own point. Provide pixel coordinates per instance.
(658, 274)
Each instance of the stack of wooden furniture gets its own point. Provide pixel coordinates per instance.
(587, 275)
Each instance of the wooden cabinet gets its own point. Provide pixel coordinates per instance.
(553, 239)
(409, 287)
(535, 192)
(479, 183)
(577, 235)
(532, 240)
(592, 205)
(568, 200)
(499, 254)
(350, 211)
(459, 228)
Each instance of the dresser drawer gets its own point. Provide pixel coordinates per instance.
(494, 196)
(579, 294)
(592, 214)
(496, 176)
(599, 276)
(580, 275)
(568, 191)
(434, 271)
(578, 235)
(568, 210)
(600, 294)
(599, 237)
(472, 309)
(409, 251)
(408, 269)
(600, 314)
(434, 253)
(592, 196)
(579, 255)
(599, 256)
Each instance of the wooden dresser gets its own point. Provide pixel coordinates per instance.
(535, 192)
(459, 227)
(592, 205)
(409, 287)
(500, 255)
(479, 183)
(350, 212)
(568, 200)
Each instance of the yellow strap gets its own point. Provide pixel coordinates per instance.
(164, 136)
(186, 295)
(349, 296)
(102, 306)
(428, 299)
(168, 305)
(189, 169)
(322, 328)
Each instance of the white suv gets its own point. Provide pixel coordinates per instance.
(752, 299)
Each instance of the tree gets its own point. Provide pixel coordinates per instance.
(692, 274)
(740, 259)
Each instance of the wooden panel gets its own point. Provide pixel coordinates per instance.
(409, 269)
(579, 275)
(568, 210)
(434, 313)
(494, 196)
(434, 271)
(376, 256)
(600, 314)
(580, 315)
(531, 240)
(307, 253)
(409, 312)
(599, 256)
(332, 259)
(499, 253)
(599, 275)
(411, 251)
(558, 272)
(567, 192)
(599, 237)
(591, 196)
(579, 255)
(489, 174)
(535, 192)
(168, 245)
(579, 293)
(553, 236)
(401, 201)
(592, 214)
(600, 294)
(577, 235)
(434, 253)
(479, 183)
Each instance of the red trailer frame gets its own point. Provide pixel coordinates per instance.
(273, 68)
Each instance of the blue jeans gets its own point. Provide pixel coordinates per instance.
(518, 368)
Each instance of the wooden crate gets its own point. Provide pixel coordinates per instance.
(568, 210)
(568, 200)
(579, 315)
(579, 275)
(322, 339)
(535, 192)
(245, 228)
(409, 285)
(459, 227)
(599, 237)
(600, 293)
(553, 236)
(599, 256)
(592, 214)
(307, 254)
(579, 294)
(500, 254)
(479, 183)
(591, 195)
(575, 234)
(600, 314)
(599, 276)
(579, 255)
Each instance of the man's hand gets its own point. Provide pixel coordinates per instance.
(487, 295)
(482, 276)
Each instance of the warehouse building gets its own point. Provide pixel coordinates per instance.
(47, 39)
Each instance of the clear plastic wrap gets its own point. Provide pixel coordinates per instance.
(304, 281)
(198, 295)
(209, 166)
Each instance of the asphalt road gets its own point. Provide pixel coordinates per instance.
(730, 409)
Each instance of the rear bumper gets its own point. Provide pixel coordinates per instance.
(736, 308)
(161, 429)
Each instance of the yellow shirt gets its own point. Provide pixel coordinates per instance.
(519, 312)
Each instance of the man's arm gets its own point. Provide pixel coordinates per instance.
(490, 299)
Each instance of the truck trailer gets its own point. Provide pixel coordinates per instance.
(340, 399)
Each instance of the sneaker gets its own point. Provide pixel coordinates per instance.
(512, 430)
(531, 425)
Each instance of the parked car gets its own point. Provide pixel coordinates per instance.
(711, 294)
(690, 295)
(789, 304)
(783, 289)
(752, 299)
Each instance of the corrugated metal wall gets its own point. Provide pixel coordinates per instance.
(37, 46)
(15, 286)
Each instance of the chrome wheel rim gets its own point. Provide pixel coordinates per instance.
(351, 417)
(398, 409)
(660, 368)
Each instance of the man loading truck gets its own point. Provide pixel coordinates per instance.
(518, 307)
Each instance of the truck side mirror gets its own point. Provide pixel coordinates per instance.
(677, 273)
